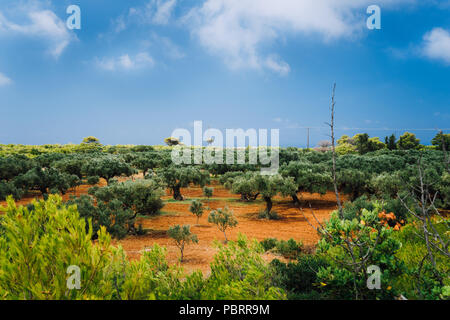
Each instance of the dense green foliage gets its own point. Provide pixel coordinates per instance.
(249, 185)
(289, 249)
(46, 180)
(117, 205)
(180, 177)
(53, 238)
(39, 243)
(351, 246)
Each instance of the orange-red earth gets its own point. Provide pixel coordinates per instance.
(292, 223)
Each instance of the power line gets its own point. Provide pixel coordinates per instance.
(380, 129)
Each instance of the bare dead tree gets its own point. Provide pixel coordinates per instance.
(444, 149)
(333, 148)
(424, 212)
(357, 250)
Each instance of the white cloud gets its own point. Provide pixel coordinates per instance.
(286, 123)
(275, 64)
(239, 30)
(4, 80)
(156, 12)
(42, 24)
(125, 62)
(437, 45)
(166, 46)
(163, 11)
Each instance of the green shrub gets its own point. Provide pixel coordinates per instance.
(239, 272)
(269, 243)
(113, 215)
(93, 180)
(52, 238)
(151, 277)
(299, 278)
(351, 246)
(8, 188)
(354, 209)
(412, 252)
(142, 196)
(289, 249)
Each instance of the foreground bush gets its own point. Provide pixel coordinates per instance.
(38, 245)
(351, 246)
(419, 281)
(239, 272)
(299, 278)
(289, 249)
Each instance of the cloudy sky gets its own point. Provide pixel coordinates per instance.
(138, 69)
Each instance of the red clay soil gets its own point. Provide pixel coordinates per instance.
(292, 224)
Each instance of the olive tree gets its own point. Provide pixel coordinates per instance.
(246, 186)
(107, 167)
(387, 183)
(196, 208)
(46, 180)
(208, 192)
(224, 219)
(177, 177)
(9, 189)
(13, 166)
(182, 236)
(354, 182)
(113, 215)
(71, 165)
(271, 185)
(141, 196)
(117, 205)
(241, 183)
(309, 177)
(171, 141)
(145, 162)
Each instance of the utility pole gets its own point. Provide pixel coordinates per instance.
(307, 143)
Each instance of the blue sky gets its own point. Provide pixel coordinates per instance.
(138, 69)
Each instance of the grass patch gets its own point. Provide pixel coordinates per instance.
(272, 215)
(161, 213)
